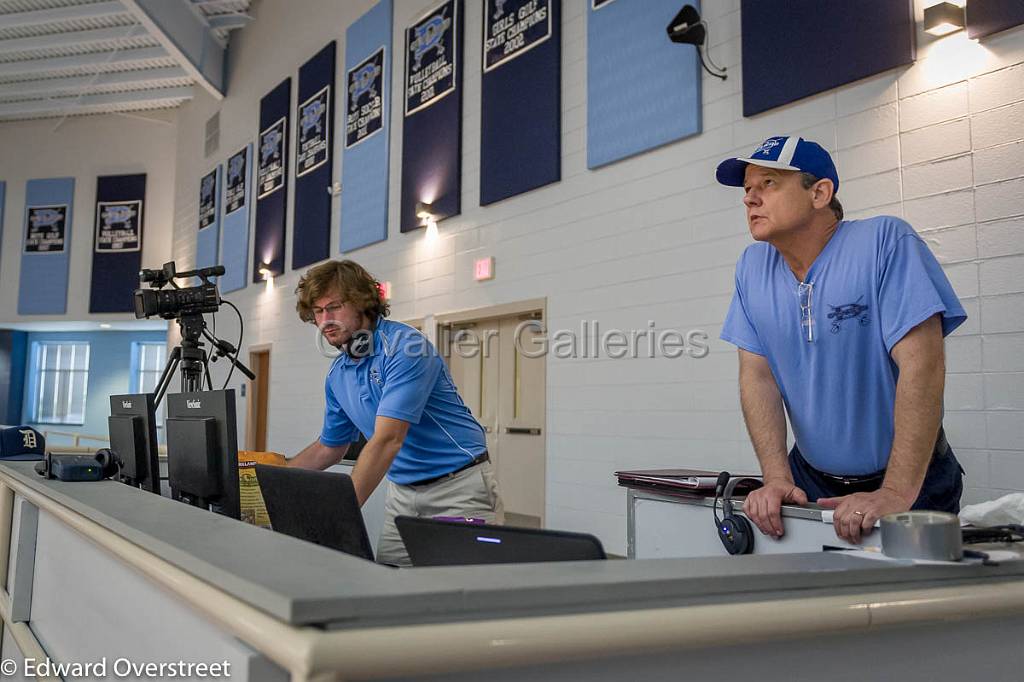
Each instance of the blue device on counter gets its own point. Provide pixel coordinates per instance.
(75, 468)
(103, 464)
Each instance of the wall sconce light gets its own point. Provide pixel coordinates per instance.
(688, 28)
(425, 211)
(943, 19)
(265, 270)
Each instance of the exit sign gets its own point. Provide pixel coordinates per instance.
(483, 269)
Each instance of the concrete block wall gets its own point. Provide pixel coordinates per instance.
(655, 239)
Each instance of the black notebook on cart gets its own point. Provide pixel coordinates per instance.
(317, 506)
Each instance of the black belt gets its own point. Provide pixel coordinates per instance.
(941, 447)
(479, 459)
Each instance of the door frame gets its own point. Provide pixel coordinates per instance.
(250, 407)
(494, 311)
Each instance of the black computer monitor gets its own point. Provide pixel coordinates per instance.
(132, 430)
(315, 506)
(432, 542)
(202, 450)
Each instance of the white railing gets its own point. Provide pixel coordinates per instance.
(77, 438)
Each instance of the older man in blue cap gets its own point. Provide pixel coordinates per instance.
(840, 325)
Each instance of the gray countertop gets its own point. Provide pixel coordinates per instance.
(304, 584)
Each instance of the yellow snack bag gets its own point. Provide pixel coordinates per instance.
(253, 508)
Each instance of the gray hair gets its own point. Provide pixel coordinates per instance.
(808, 181)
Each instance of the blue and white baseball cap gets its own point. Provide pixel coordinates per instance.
(785, 153)
(21, 444)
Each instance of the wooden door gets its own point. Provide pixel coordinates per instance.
(256, 422)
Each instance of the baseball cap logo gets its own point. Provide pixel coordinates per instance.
(766, 147)
(28, 438)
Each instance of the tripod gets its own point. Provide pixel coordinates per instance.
(192, 357)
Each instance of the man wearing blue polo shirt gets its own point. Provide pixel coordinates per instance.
(840, 326)
(390, 384)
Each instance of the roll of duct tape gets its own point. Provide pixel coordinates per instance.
(926, 535)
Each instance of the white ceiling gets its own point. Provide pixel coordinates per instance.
(71, 57)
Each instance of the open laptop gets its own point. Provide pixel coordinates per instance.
(431, 542)
(316, 506)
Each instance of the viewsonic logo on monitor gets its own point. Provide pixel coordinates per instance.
(193, 404)
(126, 404)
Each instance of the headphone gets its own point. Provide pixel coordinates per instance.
(106, 459)
(735, 531)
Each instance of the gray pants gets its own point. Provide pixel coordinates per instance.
(473, 492)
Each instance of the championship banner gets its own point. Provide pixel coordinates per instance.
(208, 239)
(117, 242)
(272, 181)
(46, 247)
(432, 127)
(875, 35)
(643, 90)
(234, 246)
(522, 81)
(365, 158)
(314, 167)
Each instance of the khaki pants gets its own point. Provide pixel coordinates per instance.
(473, 492)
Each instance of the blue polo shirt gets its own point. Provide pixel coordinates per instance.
(402, 378)
(874, 281)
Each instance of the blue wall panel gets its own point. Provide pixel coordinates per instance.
(110, 356)
(43, 285)
(985, 17)
(3, 197)
(236, 201)
(117, 242)
(314, 159)
(521, 83)
(13, 345)
(365, 167)
(432, 125)
(643, 90)
(798, 48)
(208, 239)
(272, 180)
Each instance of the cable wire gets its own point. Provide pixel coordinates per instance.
(238, 346)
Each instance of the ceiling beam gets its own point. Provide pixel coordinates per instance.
(41, 17)
(45, 86)
(186, 37)
(121, 57)
(228, 21)
(70, 105)
(72, 38)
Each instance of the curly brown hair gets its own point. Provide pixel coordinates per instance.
(352, 283)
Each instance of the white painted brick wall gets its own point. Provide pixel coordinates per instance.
(654, 237)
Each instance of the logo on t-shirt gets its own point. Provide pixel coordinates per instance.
(848, 311)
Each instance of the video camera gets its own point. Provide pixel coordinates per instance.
(178, 301)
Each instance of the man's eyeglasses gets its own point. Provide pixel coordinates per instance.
(330, 309)
(805, 291)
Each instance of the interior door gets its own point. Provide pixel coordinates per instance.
(256, 422)
(505, 389)
(522, 465)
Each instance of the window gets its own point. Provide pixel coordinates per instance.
(62, 379)
(148, 361)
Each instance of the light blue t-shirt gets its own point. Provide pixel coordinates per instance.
(403, 378)
(874, 281)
